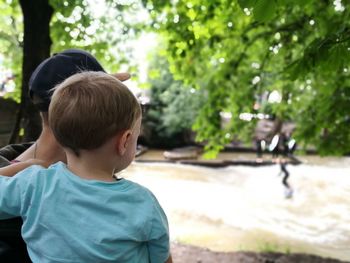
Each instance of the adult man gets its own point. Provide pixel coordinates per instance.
(46, 150)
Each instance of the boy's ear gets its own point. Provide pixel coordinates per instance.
(123, 141)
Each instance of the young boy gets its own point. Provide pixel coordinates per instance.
(80, 212)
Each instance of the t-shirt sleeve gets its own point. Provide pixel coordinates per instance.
(159, 244)
(12, 192)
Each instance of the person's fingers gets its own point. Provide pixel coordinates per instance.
(122, 76)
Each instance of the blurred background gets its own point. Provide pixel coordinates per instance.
(245, 137)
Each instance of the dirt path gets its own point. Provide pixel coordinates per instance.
(191, 254)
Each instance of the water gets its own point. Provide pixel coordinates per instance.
(243, 208)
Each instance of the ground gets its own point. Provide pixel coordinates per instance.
(190, 254)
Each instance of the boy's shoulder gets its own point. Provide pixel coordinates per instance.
(137, 187)
(139, 190)
(35, 172)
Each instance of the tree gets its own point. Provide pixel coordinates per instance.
(236, 51)
(32, 29)
(33, 45)
(36, 47)
(168, 118)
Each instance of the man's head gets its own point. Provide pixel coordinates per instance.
(89, 108)
(56, 69)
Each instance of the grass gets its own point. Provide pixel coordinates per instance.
(268, 247)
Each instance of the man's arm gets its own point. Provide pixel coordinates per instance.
(170, 260)
(14, 168)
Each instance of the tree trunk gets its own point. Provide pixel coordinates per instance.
(36, 47)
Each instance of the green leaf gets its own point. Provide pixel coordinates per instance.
(246, 3)
(297, 2)
(264, 10)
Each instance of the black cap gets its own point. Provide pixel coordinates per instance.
(56, 69)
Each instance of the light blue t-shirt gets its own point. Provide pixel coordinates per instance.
(70, 219)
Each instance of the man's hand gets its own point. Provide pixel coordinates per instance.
(122, 76)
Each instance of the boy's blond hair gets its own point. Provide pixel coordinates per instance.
(89, 108)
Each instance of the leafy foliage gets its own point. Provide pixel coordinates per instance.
(233, 53)
(11, 38)
(173, 109)
(238, 51)
(75, 24)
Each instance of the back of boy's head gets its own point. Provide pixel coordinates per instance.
(89, 108)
